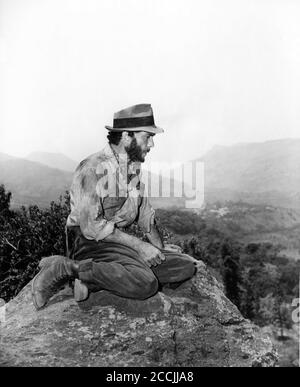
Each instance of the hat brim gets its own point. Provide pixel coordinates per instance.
(149, 129)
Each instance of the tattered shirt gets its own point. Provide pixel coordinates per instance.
(103, 196)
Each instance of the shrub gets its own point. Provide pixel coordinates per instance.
(26, 236)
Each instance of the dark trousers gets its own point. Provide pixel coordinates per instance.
(120, 269)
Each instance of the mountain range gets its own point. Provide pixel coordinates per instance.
(53, 160)
(39, 182)
(31, 182)
(257, 173)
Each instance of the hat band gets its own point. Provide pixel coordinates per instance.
(133, 122)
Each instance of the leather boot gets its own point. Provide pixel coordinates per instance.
(81, 291)
(51, 278)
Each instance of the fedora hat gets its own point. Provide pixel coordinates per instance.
(136, 118)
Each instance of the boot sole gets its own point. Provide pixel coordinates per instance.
(47, 261)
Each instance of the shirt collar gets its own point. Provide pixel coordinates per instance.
(109, 154)
(114, 159)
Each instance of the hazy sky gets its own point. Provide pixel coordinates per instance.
(215, 72)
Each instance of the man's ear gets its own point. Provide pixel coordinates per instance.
(126, 138)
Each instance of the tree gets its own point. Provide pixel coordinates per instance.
(267, 308)
(5, 198)
(231, 271)
(248, 302)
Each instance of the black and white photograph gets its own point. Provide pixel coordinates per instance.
(149, 186)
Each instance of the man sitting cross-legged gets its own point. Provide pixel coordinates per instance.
(107, 195)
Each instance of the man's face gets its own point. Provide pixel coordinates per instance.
(140, 145)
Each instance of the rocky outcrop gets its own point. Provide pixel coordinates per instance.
(193, 325)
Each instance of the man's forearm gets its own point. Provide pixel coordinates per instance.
(125, 239)
(131, 241)
(154, 237)
(150, 254)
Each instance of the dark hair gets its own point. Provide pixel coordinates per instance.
(115, 137)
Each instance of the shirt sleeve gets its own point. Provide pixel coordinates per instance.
(92, 222)
(146, 215)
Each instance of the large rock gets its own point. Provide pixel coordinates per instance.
(193, 325)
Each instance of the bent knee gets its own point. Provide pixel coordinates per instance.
(147, 288)
(187, 270)
(191, 269)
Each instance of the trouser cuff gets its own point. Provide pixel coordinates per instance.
(85, 270)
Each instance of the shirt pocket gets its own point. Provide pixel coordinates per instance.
(111, 205)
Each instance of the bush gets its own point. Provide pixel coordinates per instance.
(26, 236)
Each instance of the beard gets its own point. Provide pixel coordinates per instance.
(135, 152)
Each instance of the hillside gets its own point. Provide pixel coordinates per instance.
(260, 173)
(244, 222)
(31, 182)
(258, 224)
(53, 160)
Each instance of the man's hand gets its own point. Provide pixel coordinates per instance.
(151, 254)
(171, 247)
